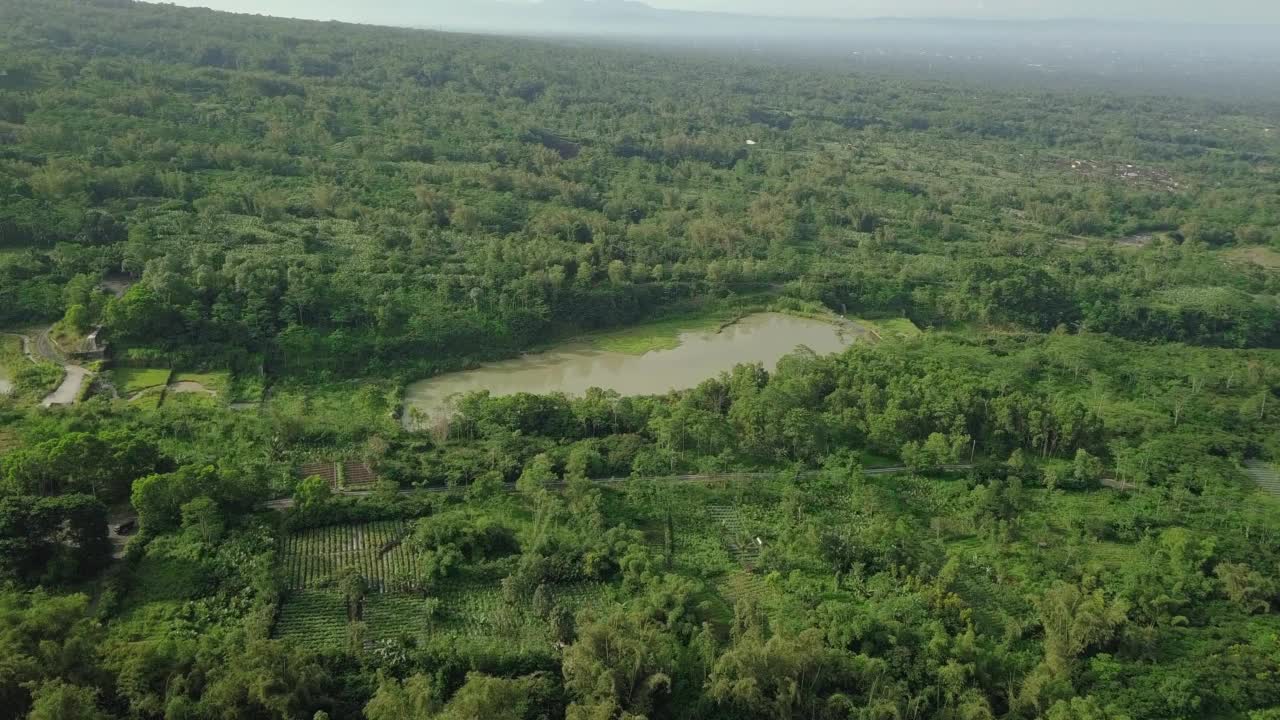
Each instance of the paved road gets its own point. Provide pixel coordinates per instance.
(286, 503)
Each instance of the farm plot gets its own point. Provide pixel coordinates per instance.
(316, 618)
(462, 611)
(312, 559)
(357, 475)
(324, 469)
(473, 612)
(132, 382)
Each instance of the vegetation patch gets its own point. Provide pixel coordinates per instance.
(660, 335)
(891, 327)
(1261, 256)
(217, 383)
(131, 381)
(312, 559)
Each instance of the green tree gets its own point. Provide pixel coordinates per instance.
(354, 587)
(538, 474)
(58, 700)
(313, 494)
(416, 698)
(619, 665)
(203, 518)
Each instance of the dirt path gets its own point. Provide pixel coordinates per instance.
(286, 503)
(73, 376)
(41, 348)
(189, 386)
(68, 391)
(117, 518)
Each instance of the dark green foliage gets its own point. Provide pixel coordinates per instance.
(103, 465)
(52, 540)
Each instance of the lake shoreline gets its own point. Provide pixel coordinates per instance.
(572, 368)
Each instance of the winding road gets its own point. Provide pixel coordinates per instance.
(42, 348)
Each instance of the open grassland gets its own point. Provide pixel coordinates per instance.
(217, 383)
(891, 327)
(11, 357)
(1261, 256)
(11, 360)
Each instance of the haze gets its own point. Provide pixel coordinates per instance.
(1225, 49)
(1200, 11)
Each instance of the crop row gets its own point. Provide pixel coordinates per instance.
(462, 611)
(316, 618)
(313, 558)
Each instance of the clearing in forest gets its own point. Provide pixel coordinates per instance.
(1261, 256)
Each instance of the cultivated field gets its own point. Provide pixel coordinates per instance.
(312, 559)
(459, 609)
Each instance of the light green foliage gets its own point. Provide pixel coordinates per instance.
(618, 664)
(416, 698)
(313, 494)
(217, 382)
(537, 475)
(57, 700)
(131, 381)
(661, 335)
(203, 519)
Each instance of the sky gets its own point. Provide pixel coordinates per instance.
(1211, 11)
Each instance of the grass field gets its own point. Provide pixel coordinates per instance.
(217, 382)
(11, 358)
(900, 327)
(1257, 255)
(130, 381)
(245, 388)
(25, 381)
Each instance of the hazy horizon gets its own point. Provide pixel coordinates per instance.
(1176, 11)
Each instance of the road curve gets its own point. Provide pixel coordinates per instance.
(43, 349)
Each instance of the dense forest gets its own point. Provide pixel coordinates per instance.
(1055, 497)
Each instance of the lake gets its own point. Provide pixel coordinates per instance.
(573, 369)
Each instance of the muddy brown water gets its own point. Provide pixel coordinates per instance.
(573, 369)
